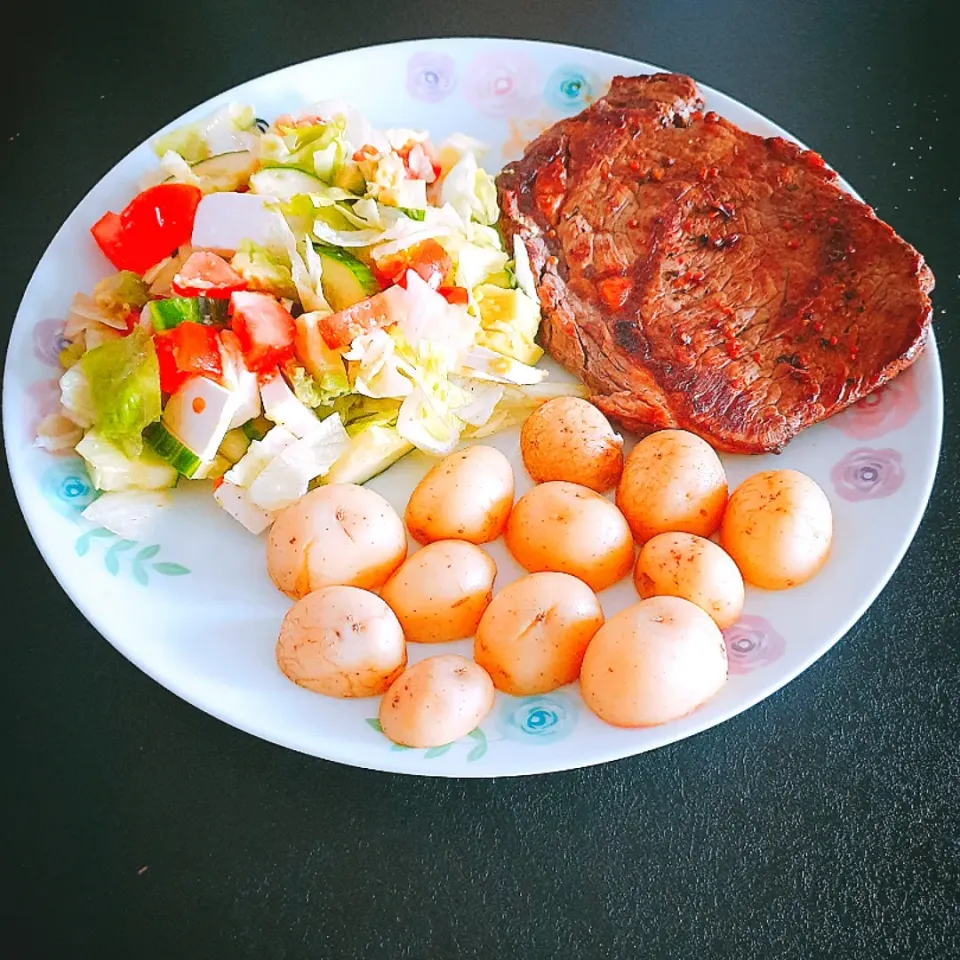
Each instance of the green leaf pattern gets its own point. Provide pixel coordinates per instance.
(140, 565)
(477, 751)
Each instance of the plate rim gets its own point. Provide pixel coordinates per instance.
(393, 763)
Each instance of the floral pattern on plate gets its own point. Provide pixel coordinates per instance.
(888, 408)
(431, 76)
(752, 643)
(868, 474)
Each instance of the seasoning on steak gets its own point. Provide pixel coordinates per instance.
(694, 275)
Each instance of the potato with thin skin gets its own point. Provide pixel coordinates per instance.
(436, 701)
(336, 534)
(778, 528)
(568, 438)
(654, 662)
(533, 636)
(570, 529)
(440, 592)
(688, 566)
(466, 496)
(342, 642)
(672, 482)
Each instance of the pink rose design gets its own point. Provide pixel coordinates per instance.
(888, 408)
(430, 76)
(752, 643)
(45, 395)
(503, 83)
(48, 341)
(867, 474)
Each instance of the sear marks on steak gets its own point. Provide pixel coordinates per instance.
(696, 276)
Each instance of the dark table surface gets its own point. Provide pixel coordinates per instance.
(824, 822)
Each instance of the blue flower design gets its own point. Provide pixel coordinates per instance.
(571, 88)
(536, 720)
(67, 486)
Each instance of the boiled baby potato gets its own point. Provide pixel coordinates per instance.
(341, 641)
(652, 663)
(436, 701)
(335, 534)
(568, 528)
(568, 438)
(466, 496)
(688, 566)
(532, 637)
(672, 481)
(440, 592)
(778, 528)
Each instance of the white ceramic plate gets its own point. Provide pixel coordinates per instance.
(193, 607)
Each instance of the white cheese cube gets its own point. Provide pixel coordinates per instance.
(236, 501)
(199, 414)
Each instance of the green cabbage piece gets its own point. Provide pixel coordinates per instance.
(320, 391)
(124, 379)
(266, 269)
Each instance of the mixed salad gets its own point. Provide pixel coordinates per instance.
(296, 303)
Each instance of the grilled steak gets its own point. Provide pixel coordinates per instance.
(694, 275)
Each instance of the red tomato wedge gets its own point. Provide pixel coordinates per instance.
(340, 329)
(265, 330)
(458, 296)
(149, 228)
(196, 350)
(205, 274)
(188, 350)
(171, 376)
(428, 259)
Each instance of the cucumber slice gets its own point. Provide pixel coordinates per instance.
(284, 183)
(257, 428)
(170, 313)
(167, 314)
(368, 454)
(170, 449)
(234, 445)
(214, 311)
(226, 171)
(213, 470)
(345, 279)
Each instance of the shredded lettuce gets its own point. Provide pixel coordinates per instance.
(317, 148)
(358, 412)
(470, 190)
(131, 514)
(509, 321)
(317, 391)
(381, 364)
(226, 131)
(517, 403)
(121, 293)
(124, 379)
(76, 397)
(265, 268)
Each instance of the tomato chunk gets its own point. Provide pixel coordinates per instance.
(196, 350)
(265, 330)
(171, 376)
(149, 228)
(458, 296)
(205, 274)
(427, 258)
(340, 329)
(187, 350)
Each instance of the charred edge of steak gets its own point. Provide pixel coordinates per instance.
(740, 396)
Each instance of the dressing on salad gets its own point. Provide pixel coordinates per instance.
(299, 303)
